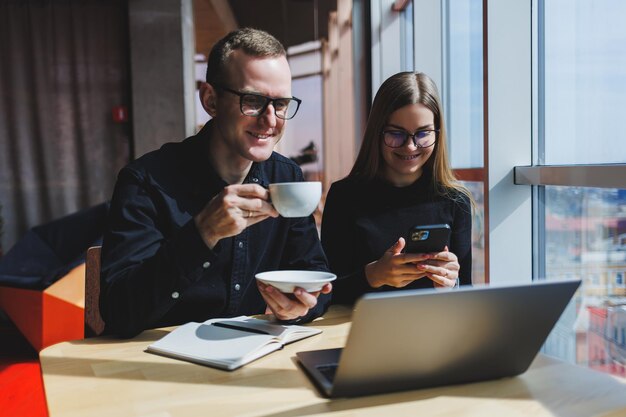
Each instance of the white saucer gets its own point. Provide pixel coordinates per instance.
(287, 281)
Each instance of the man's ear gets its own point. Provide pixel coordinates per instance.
(208, 98)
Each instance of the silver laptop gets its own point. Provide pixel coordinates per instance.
(425, 338)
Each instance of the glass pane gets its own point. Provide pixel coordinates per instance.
(478, 231)
(585, 238)
(463, 98)
(584, 68)
(406, 41)
(302, 140)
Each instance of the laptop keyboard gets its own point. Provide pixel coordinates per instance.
(328, 370)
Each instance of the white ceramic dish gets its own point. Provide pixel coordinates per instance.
(287, 281)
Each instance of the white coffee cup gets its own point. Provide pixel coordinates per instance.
(296, 199)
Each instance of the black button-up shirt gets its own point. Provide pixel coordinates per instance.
(157, 270)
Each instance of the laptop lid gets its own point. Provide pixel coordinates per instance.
(424, 338)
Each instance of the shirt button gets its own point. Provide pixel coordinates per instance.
(175, 295)
(255, 179)
(237, 287)
(206, 265)
(240, 245)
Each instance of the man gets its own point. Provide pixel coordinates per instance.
(191, 223)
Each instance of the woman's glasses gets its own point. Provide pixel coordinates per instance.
(252, 104)
(421, 138)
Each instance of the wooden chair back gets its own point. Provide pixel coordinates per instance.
(94, 325)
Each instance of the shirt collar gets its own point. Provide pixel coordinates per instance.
(205, 178)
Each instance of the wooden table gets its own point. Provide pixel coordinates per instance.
(111, 377)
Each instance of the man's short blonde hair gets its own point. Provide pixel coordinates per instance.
(253, 42)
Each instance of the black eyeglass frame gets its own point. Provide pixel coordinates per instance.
(267, 99)
(408, 135)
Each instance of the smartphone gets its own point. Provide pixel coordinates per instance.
(427, 238)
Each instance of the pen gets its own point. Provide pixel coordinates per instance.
(236, 327)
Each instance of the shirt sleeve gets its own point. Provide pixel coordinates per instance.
(143, 272)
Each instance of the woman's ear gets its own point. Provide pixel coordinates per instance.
(208, 98)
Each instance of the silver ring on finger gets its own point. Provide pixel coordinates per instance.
(249, 214)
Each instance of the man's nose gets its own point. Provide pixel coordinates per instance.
(268, 117)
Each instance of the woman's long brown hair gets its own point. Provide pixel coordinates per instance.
(397, 91)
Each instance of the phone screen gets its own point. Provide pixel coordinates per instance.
(427, 238)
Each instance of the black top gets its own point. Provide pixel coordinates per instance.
(157, 270)
(362, 219)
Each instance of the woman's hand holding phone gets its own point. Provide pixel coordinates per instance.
(443, 266)
(395, 268)
(398, 269)
(443, 269)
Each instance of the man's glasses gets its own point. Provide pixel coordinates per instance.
(252, 104)
(421, 138)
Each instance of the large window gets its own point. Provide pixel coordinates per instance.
(582, 231)
(584, 81)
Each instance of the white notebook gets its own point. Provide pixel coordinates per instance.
(228, 343)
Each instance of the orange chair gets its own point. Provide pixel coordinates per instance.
(50, 316)
(67, 310)
(43, 276)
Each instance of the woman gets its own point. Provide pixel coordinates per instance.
(401, 178)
